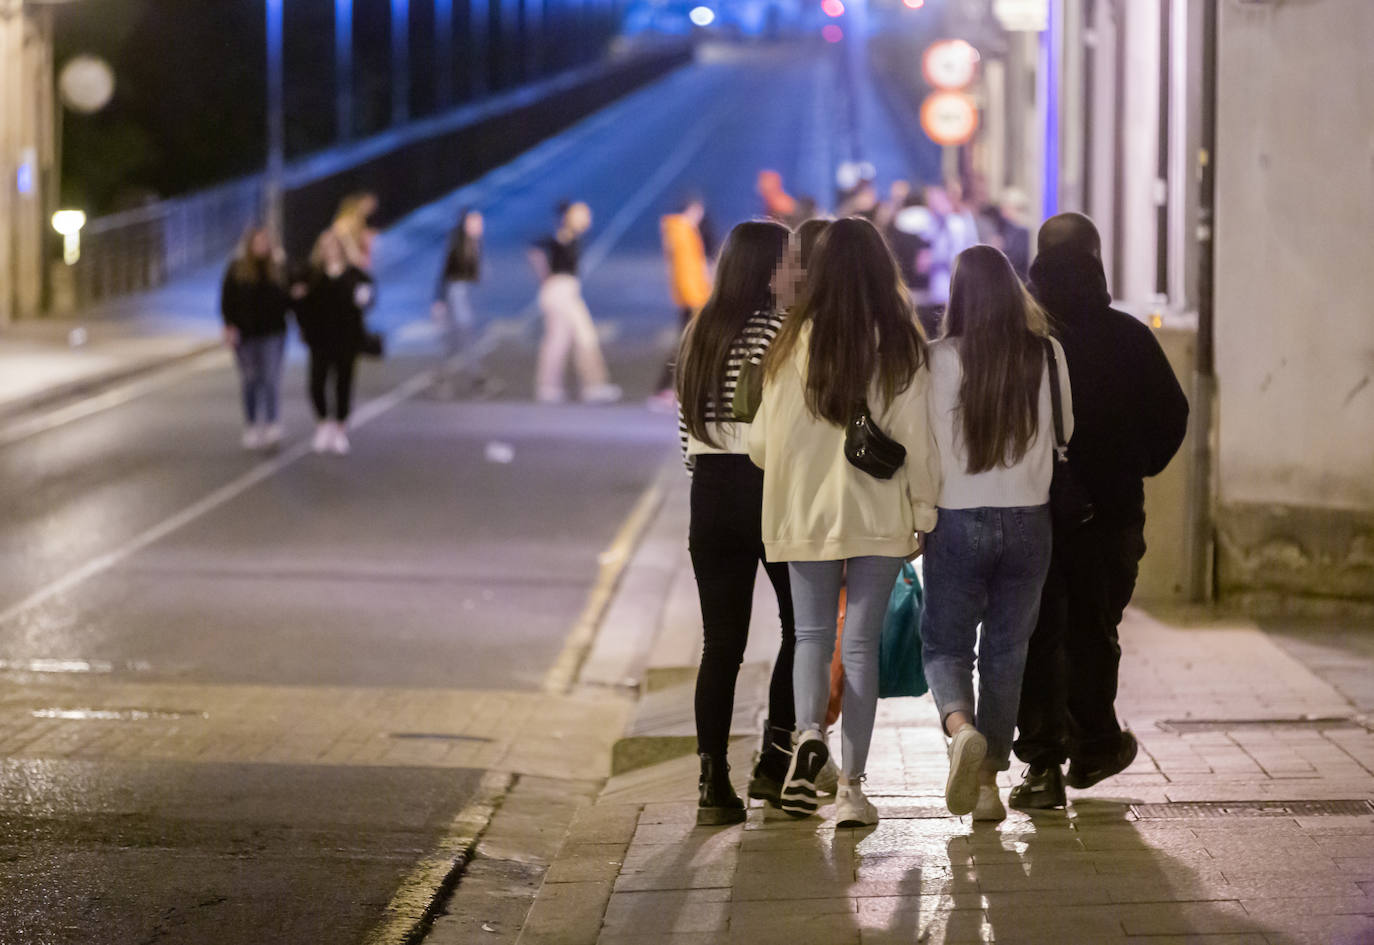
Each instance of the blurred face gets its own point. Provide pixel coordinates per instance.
(899, 192)
(789, 277)
(332, 252)
(694, 212)
(260, 246)
(578, 218)
(473, 225)
(367, 205)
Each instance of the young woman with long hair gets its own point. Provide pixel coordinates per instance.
(851, 341)
(452, 309)
(254, 301)
(986, 561)
(740, 317)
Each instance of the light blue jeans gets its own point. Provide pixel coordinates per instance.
(816, 604)
(983, 566)
(259, 361)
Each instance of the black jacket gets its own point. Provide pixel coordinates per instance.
(256, 308)
(1129, 413)
(462, 261)
(330, 316)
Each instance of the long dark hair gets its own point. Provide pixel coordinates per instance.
(744, 273)
(807, 234)
(1000, 330)
(465, 248)
(862, 323)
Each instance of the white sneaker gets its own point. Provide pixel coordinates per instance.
(273, 434)
(990, 807)
(827, 782)
(967, 749)
(252, 438)
(602, 394)
(339, 442)
(852, 808)
(324, 437)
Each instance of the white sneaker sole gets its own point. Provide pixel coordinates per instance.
(967, 750)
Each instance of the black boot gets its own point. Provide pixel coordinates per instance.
(771, 769)
(719, 804)
(1085, 772)
(1041, 789)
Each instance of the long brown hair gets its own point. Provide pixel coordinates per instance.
(744, 273)
(250, 268)
(1001, 332)
(862, 323)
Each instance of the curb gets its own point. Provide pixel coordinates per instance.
(421, 895)
(100, 382)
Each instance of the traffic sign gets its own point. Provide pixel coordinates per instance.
(949, 118)
(950, 64)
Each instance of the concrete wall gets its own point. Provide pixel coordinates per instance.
(1295, 298)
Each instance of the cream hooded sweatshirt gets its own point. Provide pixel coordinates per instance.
(818, 507)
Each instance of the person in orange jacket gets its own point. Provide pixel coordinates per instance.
(689, 279)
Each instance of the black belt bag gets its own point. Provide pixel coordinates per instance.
(869, 448)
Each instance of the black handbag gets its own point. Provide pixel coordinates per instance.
(1070, 505)
(372, 345)
(869, 448)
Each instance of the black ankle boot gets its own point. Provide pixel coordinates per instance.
(771, 769)
(719, 804)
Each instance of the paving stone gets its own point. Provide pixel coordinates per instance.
(586, 862)
(566, 914)
(1184, 917)
(697, 910)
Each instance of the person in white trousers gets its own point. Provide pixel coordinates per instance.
(568, 327)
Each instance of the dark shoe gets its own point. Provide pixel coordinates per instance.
(771, 769)
(799, 789)
(1040, 789)
(719, 804)
(1084, 773)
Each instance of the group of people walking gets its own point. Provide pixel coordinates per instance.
(831, 440)
(329, 298)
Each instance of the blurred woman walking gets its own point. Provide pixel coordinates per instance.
(741, 316)
(254, 301)
(849, 362)
(991, 409)
(459, 274)
(331, 318)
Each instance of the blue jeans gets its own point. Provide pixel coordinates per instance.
(259, 362)
(983, 565)
(816, 605)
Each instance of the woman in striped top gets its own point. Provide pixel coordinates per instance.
(754, 276)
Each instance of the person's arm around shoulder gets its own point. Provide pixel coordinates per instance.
(1065, 389)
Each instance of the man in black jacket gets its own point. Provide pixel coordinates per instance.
(1130, 417)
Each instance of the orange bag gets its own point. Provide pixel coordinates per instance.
(832, 712)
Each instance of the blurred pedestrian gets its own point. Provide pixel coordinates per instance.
(689, 280)
(850, 350)
(897, 195)
(954, 231)
(863, 202)
(459, 273)
(353, 227)
(1005, 227)
(1130, 417)
(909, 234)
(741, 316)
(568, 326)
(331, 318)
(254, 301)
(778, 204)
(985, 562)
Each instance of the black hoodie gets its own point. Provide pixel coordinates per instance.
(1129, 413)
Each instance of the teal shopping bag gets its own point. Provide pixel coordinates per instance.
(900, 671)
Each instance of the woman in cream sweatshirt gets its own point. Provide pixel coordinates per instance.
(852, 339)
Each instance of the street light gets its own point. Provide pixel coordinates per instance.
(69, 223)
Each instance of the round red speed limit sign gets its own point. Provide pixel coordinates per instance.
(949, 118)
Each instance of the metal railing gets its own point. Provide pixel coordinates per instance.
(145, 247)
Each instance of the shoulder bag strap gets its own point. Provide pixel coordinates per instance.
(1056, 399)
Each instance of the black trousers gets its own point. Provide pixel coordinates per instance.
(665, 378)
(726, 544)
(1068, 695)
(325, 364)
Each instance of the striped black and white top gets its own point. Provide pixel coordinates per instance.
(751, 344)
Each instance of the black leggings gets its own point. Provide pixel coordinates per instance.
(727, 545)
(322, 365)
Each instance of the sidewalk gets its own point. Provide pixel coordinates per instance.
(1243, 822)
(47, 359)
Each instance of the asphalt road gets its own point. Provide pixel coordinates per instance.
(140, 545)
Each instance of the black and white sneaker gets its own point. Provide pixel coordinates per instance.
(799, 790)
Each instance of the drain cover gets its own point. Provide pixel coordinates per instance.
(1185, 726)
(1196, 810)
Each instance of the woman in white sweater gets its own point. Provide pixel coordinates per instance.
(990, 408)
(853, 338)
